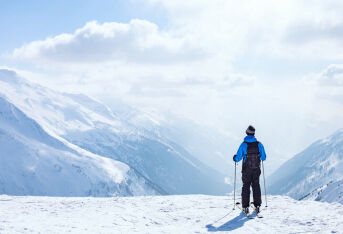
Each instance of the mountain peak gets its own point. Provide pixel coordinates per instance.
(9, 76)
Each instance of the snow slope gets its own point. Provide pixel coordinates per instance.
(331, 192)
(92, 126)
(164, 214)
(34, 163)
(318, 165)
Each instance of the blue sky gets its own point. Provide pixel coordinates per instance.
(25, 21)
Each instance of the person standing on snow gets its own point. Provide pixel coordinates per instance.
(252, 152)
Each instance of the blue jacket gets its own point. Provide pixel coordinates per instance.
(242, 151)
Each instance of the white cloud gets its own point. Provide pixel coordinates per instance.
(328, 92)
(332, 76)
(136, 60)
(292, 29)
(139, 41)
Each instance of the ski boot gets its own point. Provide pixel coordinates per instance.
(245, 210)
(257, 209)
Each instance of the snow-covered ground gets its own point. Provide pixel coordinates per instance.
(163, 214)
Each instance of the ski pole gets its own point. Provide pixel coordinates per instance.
(264, 181)
(234, 189)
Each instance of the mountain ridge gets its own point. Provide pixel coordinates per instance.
(34, 163)
(318, 165)
(92, 126)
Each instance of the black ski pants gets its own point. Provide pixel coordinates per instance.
(251, 177)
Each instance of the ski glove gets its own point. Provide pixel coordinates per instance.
(234, 158)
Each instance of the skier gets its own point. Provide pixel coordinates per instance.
(252, 152)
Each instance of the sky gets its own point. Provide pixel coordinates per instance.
(222, 63)
(26, 21)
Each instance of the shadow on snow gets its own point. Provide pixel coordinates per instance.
(231, 225)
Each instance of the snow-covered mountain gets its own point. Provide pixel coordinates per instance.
(92, 126)
(164, 214)
(315, 173)
(331, 192)
(34, 163)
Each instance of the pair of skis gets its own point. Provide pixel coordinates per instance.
(251, 215)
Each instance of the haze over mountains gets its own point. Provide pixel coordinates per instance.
(76, 123)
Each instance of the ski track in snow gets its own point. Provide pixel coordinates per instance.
(163, 214)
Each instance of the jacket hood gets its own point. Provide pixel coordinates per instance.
(250, 138)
